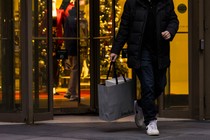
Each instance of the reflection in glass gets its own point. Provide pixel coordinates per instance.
(10, 51)
(40, 56)
(17, 51)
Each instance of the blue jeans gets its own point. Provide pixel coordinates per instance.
(153, 82)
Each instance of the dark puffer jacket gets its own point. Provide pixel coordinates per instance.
(132, 27)
(70, 30)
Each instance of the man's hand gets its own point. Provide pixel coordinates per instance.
(113, 57)
(166, 35)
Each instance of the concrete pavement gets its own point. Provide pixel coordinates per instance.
(92, 128)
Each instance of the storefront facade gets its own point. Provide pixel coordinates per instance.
(35, 71)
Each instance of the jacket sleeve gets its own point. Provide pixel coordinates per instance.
(173, 22)
(123, 32)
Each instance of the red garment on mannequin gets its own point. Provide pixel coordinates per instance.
(69, 7)
(61, 17)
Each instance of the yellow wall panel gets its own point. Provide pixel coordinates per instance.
(179, 64)
(180, 6)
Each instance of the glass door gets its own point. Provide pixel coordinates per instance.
(87, 40)
(71, 56)
(11, 108)
(41, 60)
(25, 63)
(176, 96)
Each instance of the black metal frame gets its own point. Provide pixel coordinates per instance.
(27, 62)
(194, 83)
(94, 53)
(206, 76)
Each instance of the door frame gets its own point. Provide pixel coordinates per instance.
(26, 114)
(206, 59)
(196, 67)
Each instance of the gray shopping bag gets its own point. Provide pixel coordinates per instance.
(116, 101)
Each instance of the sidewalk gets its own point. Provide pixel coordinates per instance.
(91, 128)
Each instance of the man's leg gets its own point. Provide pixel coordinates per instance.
(147, 101)
(160, 81)
(73, 76)
(72, 86)
(146, 77)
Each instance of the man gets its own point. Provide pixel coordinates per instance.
(147, 26)
(70, 30)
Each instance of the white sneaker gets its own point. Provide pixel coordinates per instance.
(152, 129)
(139, 117)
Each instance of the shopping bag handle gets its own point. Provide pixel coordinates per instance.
(115, 72)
